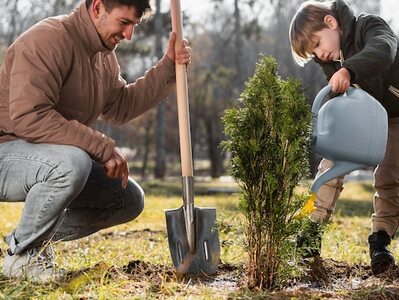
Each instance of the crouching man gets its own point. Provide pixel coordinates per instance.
(56, 79)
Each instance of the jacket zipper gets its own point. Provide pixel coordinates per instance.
(394, 91)
(341, 58)
(104, 61)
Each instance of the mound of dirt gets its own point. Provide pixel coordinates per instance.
(329, 272)
(140, 269)
(227, 276)
(332, 279)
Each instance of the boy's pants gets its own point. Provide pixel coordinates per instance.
(386, 184)
(67, 195)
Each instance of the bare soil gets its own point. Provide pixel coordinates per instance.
(324, 279)
(338, 280)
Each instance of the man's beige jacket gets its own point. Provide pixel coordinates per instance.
(57, 78)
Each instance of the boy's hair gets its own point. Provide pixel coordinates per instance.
(306, 22)
(142, 6)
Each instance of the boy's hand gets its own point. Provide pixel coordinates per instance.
(340, 81)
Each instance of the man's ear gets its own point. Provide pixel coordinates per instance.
(331, 21)
(96, 8)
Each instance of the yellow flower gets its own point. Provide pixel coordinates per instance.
(307, 209)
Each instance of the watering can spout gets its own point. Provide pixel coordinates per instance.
(339, 168)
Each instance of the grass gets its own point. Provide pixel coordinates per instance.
(132, 261)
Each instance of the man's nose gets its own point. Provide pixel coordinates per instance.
(128, 32)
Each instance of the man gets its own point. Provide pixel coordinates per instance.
(56, 79)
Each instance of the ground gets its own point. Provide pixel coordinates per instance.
(132, 261)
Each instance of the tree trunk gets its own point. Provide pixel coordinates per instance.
(147, 143)
(238, 46)
(13, 24)
(214, 151)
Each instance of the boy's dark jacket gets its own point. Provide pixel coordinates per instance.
(370, 53)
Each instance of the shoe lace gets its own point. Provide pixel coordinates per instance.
(44, 256)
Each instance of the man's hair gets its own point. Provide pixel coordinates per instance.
(142, 6)
(308, 20)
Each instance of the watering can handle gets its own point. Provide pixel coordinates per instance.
(320, 97)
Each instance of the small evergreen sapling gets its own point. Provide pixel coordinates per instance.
(269, 139)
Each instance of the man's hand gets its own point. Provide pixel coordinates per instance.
(117, 167)
(180, 56)
(340, 81)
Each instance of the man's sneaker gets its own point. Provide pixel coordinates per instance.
(308, 242)
(36, 264)
(381, 258)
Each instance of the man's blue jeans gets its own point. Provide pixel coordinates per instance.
(67, 195)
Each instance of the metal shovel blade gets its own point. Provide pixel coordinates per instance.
(206, 257)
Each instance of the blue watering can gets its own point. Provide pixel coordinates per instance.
(351, 130)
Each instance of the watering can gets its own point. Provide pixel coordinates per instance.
(351, 130)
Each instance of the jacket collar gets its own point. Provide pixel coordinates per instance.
(88, 32)
(347, 21)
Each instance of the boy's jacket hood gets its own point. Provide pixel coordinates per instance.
(347, 20)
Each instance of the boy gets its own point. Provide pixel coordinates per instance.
(362, 51)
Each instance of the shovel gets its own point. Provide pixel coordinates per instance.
(192, 233)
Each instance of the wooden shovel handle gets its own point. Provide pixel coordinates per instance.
(182, 95)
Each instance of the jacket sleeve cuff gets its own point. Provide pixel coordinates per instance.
(351, 73)
(108, 149)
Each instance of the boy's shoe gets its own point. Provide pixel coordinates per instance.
(381, 258)
(308, 243)
(36, 264)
